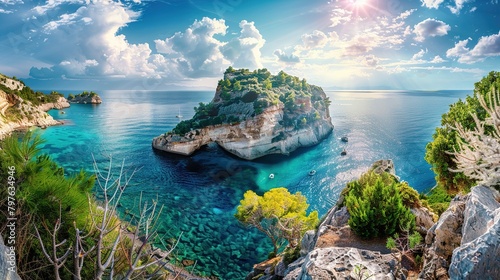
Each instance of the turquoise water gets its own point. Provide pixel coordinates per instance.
(200, 193)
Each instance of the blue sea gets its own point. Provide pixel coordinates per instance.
(200, 193)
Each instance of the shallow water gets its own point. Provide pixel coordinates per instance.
(200, 193)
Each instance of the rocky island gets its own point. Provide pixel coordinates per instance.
(85, 98)
(254, 114)
(21, 107)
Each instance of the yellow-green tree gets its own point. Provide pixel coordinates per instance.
(280, 215)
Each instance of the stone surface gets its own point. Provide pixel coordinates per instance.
(478, 256)
(340, 263)
(61, 103)
(424, 219)
(249, 139)
(308, 242)
(441, 239)
(7, 270)
(37, 116)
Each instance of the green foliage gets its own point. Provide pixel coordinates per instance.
(438, 199)
(376, 206)
(43, 191)
(278, 214)
(445, 138)
(291, 254)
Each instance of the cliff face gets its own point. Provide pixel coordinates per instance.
(252, 121)
(16, 112)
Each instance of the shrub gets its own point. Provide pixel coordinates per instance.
(377, 209)
(278, 214)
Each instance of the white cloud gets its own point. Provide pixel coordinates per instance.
(430, 28)
(437, 59)
(487, 46)
(431, 3)
(244, 51)
(340, 16)
(473, 9)
(459, 4)
(316, 39)
(419, 55)
(196, 52)
(11, 2)
(283, 57)
(2, 11)
(370, 60)
(94, 48)
(52, 4)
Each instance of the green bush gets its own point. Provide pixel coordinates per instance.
(376, 207)
(445, 138)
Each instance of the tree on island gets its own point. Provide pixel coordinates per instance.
(278, 214)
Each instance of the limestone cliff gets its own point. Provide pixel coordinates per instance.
(254, 114)
(22, 107)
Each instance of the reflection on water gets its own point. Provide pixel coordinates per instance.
(200, 193)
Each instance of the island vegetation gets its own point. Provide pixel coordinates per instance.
(262, 90)
(86, 97)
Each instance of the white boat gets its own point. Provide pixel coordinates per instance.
(179, 116)
(271, 176)
(312, 172)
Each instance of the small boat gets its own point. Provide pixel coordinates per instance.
(271, 176)
(312, 172)
(344, 139)
(179, 116)
(343, 153)
(62, 112)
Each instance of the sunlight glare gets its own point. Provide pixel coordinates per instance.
(359, 3)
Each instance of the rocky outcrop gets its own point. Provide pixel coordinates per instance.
(341, 263)
(24, 115)
(85, 98)
(478, 256)
(255, 118)
(7, 263)
(464, 243)
(249, 139)
(61, 103)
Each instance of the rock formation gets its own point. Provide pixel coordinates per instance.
(254, 114)
(465, 242)
(85, 98)
(16, 112)
(7, 263)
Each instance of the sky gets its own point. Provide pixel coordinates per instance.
(187, 44)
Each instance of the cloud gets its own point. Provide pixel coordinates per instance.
(430, 28)
(52, 4)
(11, 2)
(2, 11)
(87, 42)
(316, 39)
(244, 51)
(195, 51)
(419, 55)
(487, 46)
(459, 4)
(431, 4)
(437, 59)
(340, 16)
(371, 60)
(283, 57)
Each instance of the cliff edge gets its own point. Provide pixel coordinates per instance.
(254, 114)
(22, 107)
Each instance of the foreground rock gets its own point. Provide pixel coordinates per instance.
(465, 242)
(257, 115)
(7, 263)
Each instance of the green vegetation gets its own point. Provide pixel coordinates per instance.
(437, 200)
(279, 215)
(84, 94)
(376, 205)
(438, 152)
(68, 221)
(259, 88)
(35, 97)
